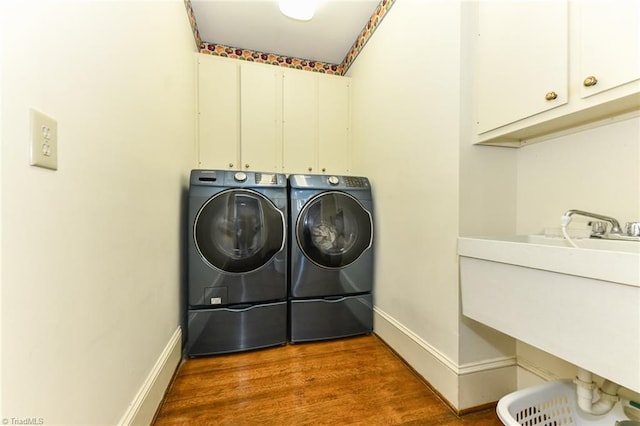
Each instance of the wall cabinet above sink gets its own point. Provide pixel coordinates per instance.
(545, 67)
(579, 304)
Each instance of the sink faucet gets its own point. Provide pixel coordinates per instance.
(615, 225)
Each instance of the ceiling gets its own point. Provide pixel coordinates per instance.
(258, 25)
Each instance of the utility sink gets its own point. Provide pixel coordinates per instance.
(579, 304)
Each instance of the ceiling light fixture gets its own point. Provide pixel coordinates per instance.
(301, 10)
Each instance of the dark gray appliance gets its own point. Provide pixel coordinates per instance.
(331, 263)
(237, 261)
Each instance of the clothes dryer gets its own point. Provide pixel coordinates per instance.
(331, 237)
(237, 261)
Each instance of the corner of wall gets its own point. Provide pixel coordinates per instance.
(465, 388)
(145, 404)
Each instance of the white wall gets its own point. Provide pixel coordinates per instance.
(487, 207)
(411, 130)
(91, 252)
(412, 124)
(596, 170)
(2, 25)
(405, 132)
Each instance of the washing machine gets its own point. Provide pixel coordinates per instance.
(237, 261)
(331, 263)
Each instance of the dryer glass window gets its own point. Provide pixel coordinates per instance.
(239, 230)
(334, 229)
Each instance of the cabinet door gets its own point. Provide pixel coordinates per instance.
(521, 60)
(333, 124)
(299, 125)
(218, 113)
(609, 43)
(260, 129)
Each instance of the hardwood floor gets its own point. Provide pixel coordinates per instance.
(356, 381)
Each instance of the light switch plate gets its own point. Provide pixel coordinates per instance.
(44, 140)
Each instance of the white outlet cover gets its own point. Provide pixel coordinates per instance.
(44, 140)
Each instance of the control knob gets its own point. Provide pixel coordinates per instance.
(240, 176)
(333, 180)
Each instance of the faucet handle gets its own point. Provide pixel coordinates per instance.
(598, 228)
(633, 229)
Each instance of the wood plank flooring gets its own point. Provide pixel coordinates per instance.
(356, 381)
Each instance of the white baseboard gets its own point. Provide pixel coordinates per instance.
(463, 386)
(484, 387)
(434, 367)
(147, 400)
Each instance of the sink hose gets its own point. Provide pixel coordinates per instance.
(564, 221)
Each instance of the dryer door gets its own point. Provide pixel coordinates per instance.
(239, 230)
(334, 229)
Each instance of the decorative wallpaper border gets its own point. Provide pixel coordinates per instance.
(193, 23)
(286, 61)
(269, 58)
(366, 33)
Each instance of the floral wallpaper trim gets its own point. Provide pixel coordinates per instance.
(291, 62)
(193, 23)
(366, 34)
(269, 58)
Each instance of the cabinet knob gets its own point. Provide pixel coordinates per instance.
(551, 96)
(324, 169)
(246, 166)
(231, 165)
(310, 169)
(590, 81)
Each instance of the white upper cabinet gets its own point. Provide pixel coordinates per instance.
(316, 117)
(608, 44)
(542, 67)
(334, 125)
(260, 119)
(266, 118)
(300, 122)
(522, 63)
(239, 115)
(218, 113)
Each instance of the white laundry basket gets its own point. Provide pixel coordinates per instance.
(550, 404)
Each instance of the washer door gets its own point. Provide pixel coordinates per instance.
(334, 229)
(239, 231)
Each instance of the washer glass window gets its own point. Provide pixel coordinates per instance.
(239, 230)
(334, 229)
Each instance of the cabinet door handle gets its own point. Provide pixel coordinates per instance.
(246, 166)
(551, 96)
(324, 170)
(231, 165)
(590, 81)
(310, 169)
